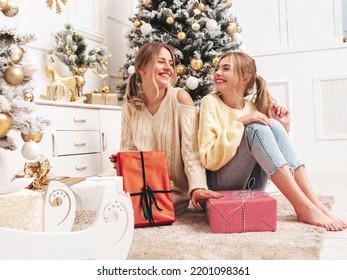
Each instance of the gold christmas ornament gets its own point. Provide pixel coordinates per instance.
(215, 61)
(170, 20)
(147, 2)
(57, 5)
(20, 54)
(229, 3)
(51, 59)
(120, 74)
(196, 64)
(10, 10)
(181, 36)
(196, 26)
(3, 4)
(35, 137)
(137, 23)
(120, 83)
(29, 97)
(6, 122)
(180, 69)
(69, 52)
(14, 76)
(231, 28)
(201, 7)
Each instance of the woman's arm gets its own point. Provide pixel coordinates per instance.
(219, 134)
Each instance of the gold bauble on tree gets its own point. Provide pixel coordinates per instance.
(35, 137)
(14, 76)
(196, 26)
(10, 10)
(3, 4)
(201, 7)
(181, 69)
(229, 3)
(29, 97)
(147, 2)
(231, 28)
(69, 52)
(170, 20)
(181, 36)
(196, 64)
(6, 122)
(137, 23)
(120, 74)
(239, 29)
(215, 61)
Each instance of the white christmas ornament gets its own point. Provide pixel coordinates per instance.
(131, 69)
(237, 38)
(146, 28)
(30, 65)
(211, 25)
(192, 83)
(242, 48)
(31, 150)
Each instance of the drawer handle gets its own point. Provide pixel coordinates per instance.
(80, 142)
(81, 166)
(79, 120)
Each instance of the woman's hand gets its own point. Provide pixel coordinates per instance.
(255, 117)
(281, 114)
(113, 159)
(201, 195)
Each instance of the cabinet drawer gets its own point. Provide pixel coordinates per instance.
(77, 142)
(64, 118)
(79, 165)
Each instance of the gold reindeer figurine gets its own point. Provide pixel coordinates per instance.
(71, 82)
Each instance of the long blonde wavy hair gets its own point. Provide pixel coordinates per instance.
(244, 65)
(148, 53)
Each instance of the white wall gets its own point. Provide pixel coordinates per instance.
(298, 48)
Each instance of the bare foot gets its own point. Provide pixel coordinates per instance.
(327, 212)
(317, 217)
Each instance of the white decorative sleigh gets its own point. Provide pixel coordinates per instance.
(109, 237)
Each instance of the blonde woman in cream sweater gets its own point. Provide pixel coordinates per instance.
(157, 116)
(244, 143)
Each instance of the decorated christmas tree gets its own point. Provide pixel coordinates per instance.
(199, 30)
(16, 90)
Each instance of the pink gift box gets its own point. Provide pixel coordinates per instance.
(242, 211)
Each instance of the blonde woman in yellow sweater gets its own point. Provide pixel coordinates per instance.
(243, 143)
(157, 116)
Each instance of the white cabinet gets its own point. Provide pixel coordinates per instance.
(110, 128)
(81, 137)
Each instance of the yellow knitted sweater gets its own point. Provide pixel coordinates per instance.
(220, 132)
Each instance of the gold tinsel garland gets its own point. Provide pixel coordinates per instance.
(57, 5)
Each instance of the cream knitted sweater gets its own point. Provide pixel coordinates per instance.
(173, 129)
(220, 132)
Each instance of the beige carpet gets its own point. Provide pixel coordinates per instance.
(190, 238)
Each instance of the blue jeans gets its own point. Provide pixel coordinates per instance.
(262, 151)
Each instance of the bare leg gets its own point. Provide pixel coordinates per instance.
(305, 209)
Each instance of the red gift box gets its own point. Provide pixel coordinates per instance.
(146, 178)
(242, 211)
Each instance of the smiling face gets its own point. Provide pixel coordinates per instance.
(159, 71)
(233, 74)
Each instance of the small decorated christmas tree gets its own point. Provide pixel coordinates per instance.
(71, 50)
(199, 30)
(16, 87)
